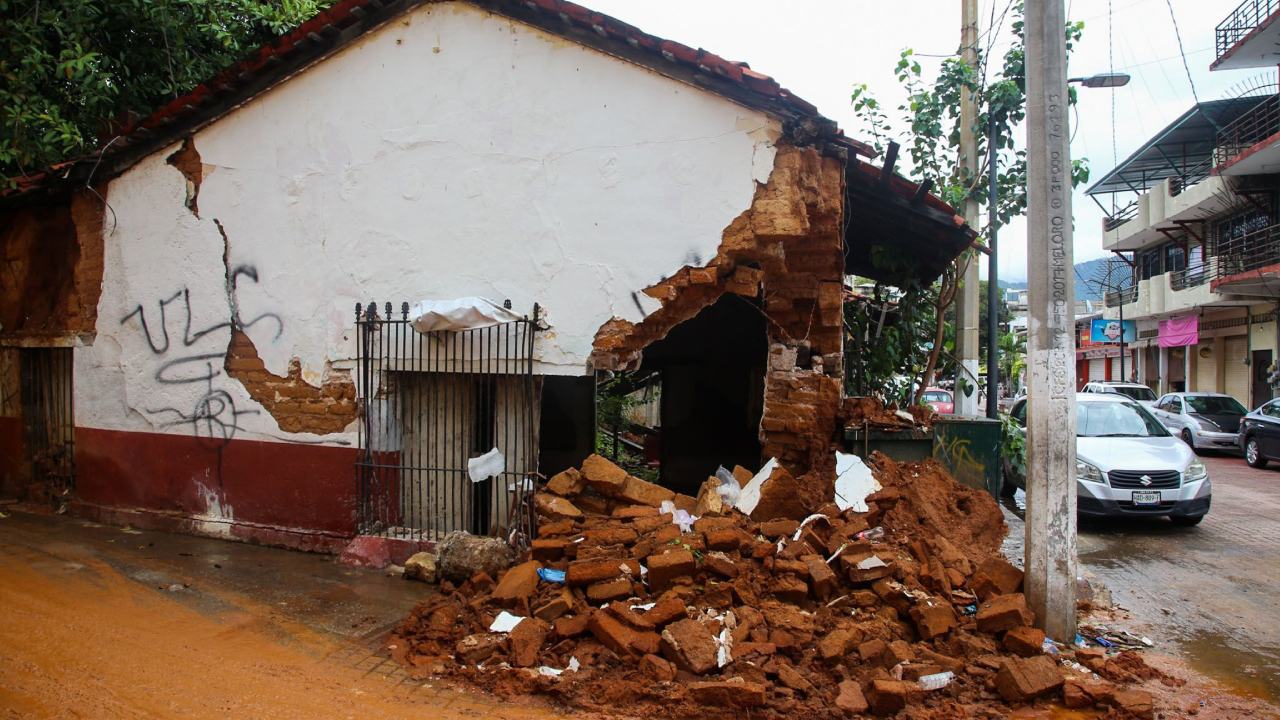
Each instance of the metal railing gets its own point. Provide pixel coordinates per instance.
(1190, 277)
(1241, 22)
(1251, 251)
(48, 414)
(433, 403)
(1116, 298)
(1120, 217)
(1259, 123)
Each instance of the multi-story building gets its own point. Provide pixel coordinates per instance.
(1194, 214)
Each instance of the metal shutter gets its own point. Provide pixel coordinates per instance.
(1206, 370)
(1097, 369)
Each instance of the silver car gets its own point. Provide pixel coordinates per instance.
(1127, 463)
(1204, 420)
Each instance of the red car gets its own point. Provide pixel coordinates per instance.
(940, 400)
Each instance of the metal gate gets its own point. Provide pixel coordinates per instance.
(48, 417)
(431, 403)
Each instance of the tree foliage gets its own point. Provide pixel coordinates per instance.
(69, 70)
(930, 121)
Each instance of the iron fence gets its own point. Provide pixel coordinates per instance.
(1259, 123)
(1247, 16)
(1116, 298)
(432, 404)
(1190, 277)
(1250, 251)
(48, 416)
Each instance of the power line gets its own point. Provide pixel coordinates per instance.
(1178, 34)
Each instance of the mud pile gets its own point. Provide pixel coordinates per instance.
(858, 412)
(905, 608)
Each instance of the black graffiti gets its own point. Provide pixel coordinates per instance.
(214, 420)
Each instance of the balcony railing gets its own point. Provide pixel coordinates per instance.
(1251, 128)
(1246, 17)
(1116, 298)
(1251, 251)
(1120, 217)
(1191, 277)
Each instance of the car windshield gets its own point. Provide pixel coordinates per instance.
(1214, 405)
(1116, 419)
(937, 396)
(1136, 392)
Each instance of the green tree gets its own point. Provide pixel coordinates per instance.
(930, 118)
(71, 70)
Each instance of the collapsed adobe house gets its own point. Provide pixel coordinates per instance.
(183, 353)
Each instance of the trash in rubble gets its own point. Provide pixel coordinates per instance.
(551, 575)
(872, 562)
(679, 516)
(1080, 641)
(835, 554)
(904, 415)
(854, 482)
(729, 489)
(724, 648)
(554, 672)
(936, 681)
(749, 496)
(875, 533)
(505, 622)
(1049, 647)
(1122, 639)
(806, 521)
(177, 587)
(522, 485)
(464, 313)
(969, 610)
(645, 607)
(1104, 642)
(486, 466)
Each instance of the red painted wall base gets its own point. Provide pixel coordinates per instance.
(275, 493)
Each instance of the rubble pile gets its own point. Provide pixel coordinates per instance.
(859, 412)
(634, 600)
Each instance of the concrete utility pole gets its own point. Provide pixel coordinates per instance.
(967, 298)
(1051, 416)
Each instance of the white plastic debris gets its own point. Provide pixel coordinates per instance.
(836, 554)
(854, 482)
(937, 681)
(505, 622)
(555, 672)
(872, 562)
(806, 521)
(464, 313)
(749, 496)
(486, 466)
(678, 516)
(645, 607)
(724, 648)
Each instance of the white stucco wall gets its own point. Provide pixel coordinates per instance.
(450, 153)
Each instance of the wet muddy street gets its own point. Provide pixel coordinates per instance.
(1208, 594)
(103, 622)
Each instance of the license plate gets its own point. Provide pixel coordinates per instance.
(1146, 498)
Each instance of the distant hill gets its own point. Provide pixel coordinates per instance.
(1088, 274)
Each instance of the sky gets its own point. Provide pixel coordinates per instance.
(819, 49)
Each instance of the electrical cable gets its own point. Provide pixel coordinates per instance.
(1178, 34)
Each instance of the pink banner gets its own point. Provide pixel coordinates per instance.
(1180, 331)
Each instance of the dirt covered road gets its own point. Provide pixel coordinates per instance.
(99, 622)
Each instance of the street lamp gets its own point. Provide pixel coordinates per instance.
(1100, 80)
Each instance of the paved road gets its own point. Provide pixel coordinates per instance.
(1211, 593)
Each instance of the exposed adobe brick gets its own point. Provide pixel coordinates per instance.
(296, 405)
(187, 160)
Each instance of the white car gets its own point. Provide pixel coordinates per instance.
(1204, 420)
(1135, 391)
(1128, 464)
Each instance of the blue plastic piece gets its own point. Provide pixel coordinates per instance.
(550, 575)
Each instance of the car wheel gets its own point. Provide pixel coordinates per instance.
(1252, 454)
(1191, 443)
(1187, 520)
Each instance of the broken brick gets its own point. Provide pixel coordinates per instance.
(567, 483)
(725, 539)
(585, 572)
(526, 641)
(778, 528)
(996, 576)
(835, 644)
(793, 679)
(710, 502)
(556, 606)
(1003, 612)
(872, 649)
(690, 646)
(555, 507)
(821, 577)
(896, 652)
(1134, 703)
(609, 536)
(850, 698)
(606, 590)
(933, 618)
(573, 626)
(548, 549)
(1024, 641)
(657, 668)
(1023, 679)
(517, 584)
(474, 649)
(887, 697)
(641, 492)
(668, 567)
(780, 497)
(789, 588)
(612, 633)
(603, 476)
(720, 564)
(731, 693)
